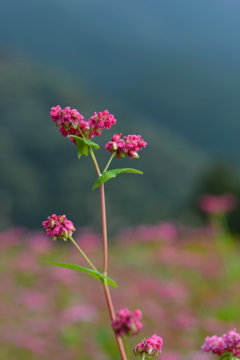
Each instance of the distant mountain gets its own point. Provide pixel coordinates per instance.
(41, 174)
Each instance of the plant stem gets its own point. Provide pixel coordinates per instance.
(83, 254)
(127, 347)
(109, 161)
(105, 255)
(94, 161)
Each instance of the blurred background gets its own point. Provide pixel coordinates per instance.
(168, 70)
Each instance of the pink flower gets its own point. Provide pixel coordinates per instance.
(217, 204)
(99, 121)
(149, 347)
(128, 146)
(232, 340)
(58, 227)
(70, 122)
(214, 344)
(127, 322)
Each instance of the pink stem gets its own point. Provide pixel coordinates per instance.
(105, 257)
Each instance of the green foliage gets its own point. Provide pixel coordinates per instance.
(107, 175)
(97, 275)
(83, 145)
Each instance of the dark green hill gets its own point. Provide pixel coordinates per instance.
(41, 174)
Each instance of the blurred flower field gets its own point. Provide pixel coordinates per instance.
(185, 281)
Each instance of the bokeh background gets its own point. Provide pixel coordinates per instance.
(168, 70)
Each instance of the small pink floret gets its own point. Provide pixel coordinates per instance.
(127, 323)
(214, 344)
(58, 227)
(232, 340)
(151, 346)
(99, 121)
(128, 146)
(228, 343)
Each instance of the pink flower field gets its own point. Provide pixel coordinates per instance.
(186, 283)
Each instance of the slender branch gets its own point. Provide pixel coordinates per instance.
(94, 161)
(104, 229)
(105, 254)
(112, 316)
(127, 347)
(83, 254)
(109, 161)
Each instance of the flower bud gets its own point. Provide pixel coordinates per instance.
(58, 227)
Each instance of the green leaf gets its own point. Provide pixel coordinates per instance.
(107, 175)
(83, 145)
(97, 275)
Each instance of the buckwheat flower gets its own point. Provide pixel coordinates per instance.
(70, 122)
(127, 322)
(128, 146)
(149, 347)
(214, 344)
(213, 204)
(232, 340)
(236, 351)
(99, 121)
(58, 227)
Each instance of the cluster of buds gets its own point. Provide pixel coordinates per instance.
(127, 322)
(99, 121)
(70, 122)
(228, 343)
(58, 227)
(128, 146)
(213, 204)
(149, 347)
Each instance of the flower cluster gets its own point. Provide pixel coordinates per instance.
(70, 122)
(229, 342)
(100, 121)
(213, 204)
(127, 322)
(128, 146)
(58, 227)
(149, 347)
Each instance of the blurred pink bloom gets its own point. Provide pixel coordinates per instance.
(66, 276)
(88, 239)
(151, 346)
(217, 204)
(39, 243)
(79, 313)
(164, 231)
(127, 322)
(34, 300)
(232, 340)
(214, 344)
(58, 227)
(171, 356)
(128, 146)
